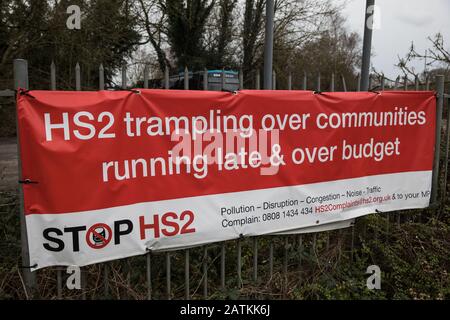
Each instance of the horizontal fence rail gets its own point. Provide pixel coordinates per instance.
(215, 270)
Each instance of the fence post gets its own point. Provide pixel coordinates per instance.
(58, 269)
(21, 81)
(437, 149)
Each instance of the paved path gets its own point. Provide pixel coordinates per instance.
(8, 164)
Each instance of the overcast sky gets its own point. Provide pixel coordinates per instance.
(401, 21)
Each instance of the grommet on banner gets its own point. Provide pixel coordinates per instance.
(378, 211)
(29, 267)
(241, 236)
(373, 91)
(25, 92)
(27, 181)
(235, 92)
(317, 92)
(135, 91)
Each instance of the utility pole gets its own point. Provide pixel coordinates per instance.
(268, 45)
(367, 44)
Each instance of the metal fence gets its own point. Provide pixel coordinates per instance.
(219, 267)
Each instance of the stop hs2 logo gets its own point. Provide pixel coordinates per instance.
(100, 235)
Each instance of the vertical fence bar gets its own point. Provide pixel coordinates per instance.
(285, 264)
(186, 78)
(222, 265)
(205, 272)
(149, 275)
(223, 78)
(289, 84)
(358, 84)
(239, 262)
(318, 82)
(258, 80)
(332, 83)
(352, 244)
(53, 76)
(255, 259)
(440, 80)
(271, 259)
(59, 282)
(105, 279)
(241, 80)
(427, 84)
(205, 79)
(305, 81)
(146, 76)
(124, 75)
(314, 244)
(186, 274)
(166, 78)
(78, 88)
(387, 225)
(300, 253)
(168, 277)
(370, 82)
(101, 77)
(344, 84)
(274, 80)
(382, 82)
(397, 81)
(77, 77)
(405, 83)
(416, 82)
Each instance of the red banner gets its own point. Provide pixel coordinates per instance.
(89, 151)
